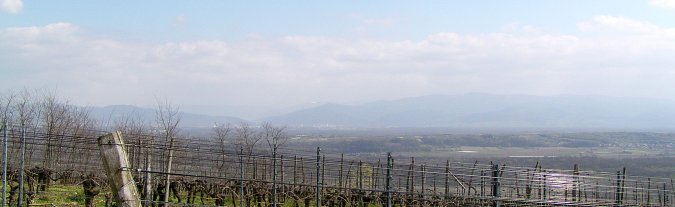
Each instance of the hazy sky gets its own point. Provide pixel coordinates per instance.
(294, 52)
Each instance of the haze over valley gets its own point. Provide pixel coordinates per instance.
(467, 111)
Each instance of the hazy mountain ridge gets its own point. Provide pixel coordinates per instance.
(463, 111)
(486, 111)
(109, 114)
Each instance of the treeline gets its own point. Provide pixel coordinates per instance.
(60, 121)
(43, 108)
(56, 120)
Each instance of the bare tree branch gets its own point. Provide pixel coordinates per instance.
(275, 136)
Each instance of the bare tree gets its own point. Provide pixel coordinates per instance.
(167, 117)
(247, 137)
(81, 126)
(53, 115)
(130, 124)
(25, 108)
(27, 111)
(275, 136)
(221, 133)
(5, 107)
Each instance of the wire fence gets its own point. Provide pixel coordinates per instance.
(206, 172)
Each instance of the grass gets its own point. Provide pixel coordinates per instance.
(72, 195)
(65, 195)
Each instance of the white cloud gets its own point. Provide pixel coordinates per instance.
(669, 4)
(299, 69)
(11, 6)
(617, 24)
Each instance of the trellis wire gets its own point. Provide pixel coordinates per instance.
(394, 181)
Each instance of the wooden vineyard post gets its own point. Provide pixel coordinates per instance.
(116, 165)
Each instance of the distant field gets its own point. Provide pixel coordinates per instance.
(643, 153)
(544, 152)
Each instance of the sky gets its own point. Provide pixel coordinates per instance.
(290, 53)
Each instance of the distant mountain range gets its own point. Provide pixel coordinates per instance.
(109, 114)
(476, 111)
(492, 111)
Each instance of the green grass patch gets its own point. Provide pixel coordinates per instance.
(62, 195)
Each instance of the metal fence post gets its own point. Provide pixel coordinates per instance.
(388, 181)
(23, 164)
(318, 178)
(424, 180)
(482, 183)
(496, 193)
(274, 176)
(241, 176)
(447, 179)
(342, 159)
(623, 184)
(147, 195)
(4, 164)
(167, 183)
(617, 193)
(665, 195)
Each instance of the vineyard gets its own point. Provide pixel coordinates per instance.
(204, 172)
